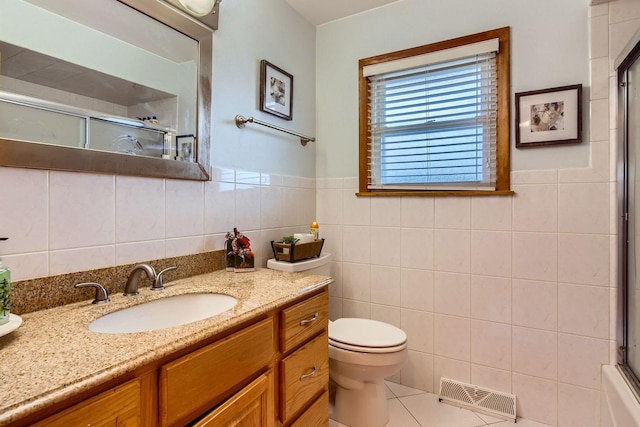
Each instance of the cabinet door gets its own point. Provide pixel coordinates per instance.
(118, 407)
(250, 407)
(200, 380)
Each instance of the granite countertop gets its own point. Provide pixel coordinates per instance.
(53, 355)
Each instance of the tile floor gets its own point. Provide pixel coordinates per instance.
(409, 407)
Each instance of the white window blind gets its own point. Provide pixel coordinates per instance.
(433, 126)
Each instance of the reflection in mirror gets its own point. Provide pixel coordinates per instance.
(116, 81)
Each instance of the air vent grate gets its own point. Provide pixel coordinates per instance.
(479, 399)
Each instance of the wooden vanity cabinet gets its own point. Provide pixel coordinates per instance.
(304, 367)
(125, 405)
(272, 373)
(316, 415)
(250, 407)
(194, 383)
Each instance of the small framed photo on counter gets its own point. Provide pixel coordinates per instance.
(549, 116)
(276, 91)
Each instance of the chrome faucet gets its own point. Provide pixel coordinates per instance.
(134, 277)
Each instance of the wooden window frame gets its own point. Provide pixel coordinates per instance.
(503, 118)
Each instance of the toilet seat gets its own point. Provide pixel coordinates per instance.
(358, 349)
(366, 336)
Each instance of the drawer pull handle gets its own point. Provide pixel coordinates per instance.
(310, 374)
(307, 321)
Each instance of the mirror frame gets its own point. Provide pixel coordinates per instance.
(25, 154)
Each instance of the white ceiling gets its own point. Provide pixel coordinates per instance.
(320, 12)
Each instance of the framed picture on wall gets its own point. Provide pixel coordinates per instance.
(276, 91)
(549, 116)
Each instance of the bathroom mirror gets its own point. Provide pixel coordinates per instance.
(107, 86)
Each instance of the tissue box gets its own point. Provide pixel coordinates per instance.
(296, 252)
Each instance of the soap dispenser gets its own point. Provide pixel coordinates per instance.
(5, 293)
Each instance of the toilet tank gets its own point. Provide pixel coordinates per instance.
(320, 265)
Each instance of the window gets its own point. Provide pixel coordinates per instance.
(435, 119)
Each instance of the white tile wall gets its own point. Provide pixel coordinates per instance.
(578, 406)
(453, 212)
(184, 208)
(537, 398)
(385, 285)
(491, 298)
(535, 304)
(26, 208)
(583, 310)
(535, 352)
(452, 337)
(491, 344)
(140, 209)
(452, 293)
(416, 248)
(580, 358)
(491, 213)
(87, 202)
(453, 250)
(535, 208)
(417, 289)
(511, 293)
(535, 256)
(491, 253)
(384, 250)
(62, 222)
(418, 325)
(495, 379)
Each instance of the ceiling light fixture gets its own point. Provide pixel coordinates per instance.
(198, 7)
(206, 11)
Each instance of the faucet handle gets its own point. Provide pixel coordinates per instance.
(158, 282)
(101, 297)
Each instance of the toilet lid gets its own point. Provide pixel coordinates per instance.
(365, 333)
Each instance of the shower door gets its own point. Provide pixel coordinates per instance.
(629, 112)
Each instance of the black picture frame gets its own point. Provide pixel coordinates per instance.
(276, 91)
(186, 147)
(549, 116)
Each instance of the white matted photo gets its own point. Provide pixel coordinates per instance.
(549, 116)
(276, 90)
(186, 147)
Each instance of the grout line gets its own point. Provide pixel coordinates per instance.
(410, 413)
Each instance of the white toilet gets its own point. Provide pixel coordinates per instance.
(362, 353)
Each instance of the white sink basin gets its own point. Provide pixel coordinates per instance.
(163, 313)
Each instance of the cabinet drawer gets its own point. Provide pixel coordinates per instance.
(120, 406)
(305, 374)
(317, 415)
(303, 320)
(199, 380)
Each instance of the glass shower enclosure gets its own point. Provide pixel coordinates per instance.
(629, 225)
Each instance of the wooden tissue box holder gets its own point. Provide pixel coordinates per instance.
(296, 252)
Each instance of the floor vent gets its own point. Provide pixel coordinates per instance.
(479, 399)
